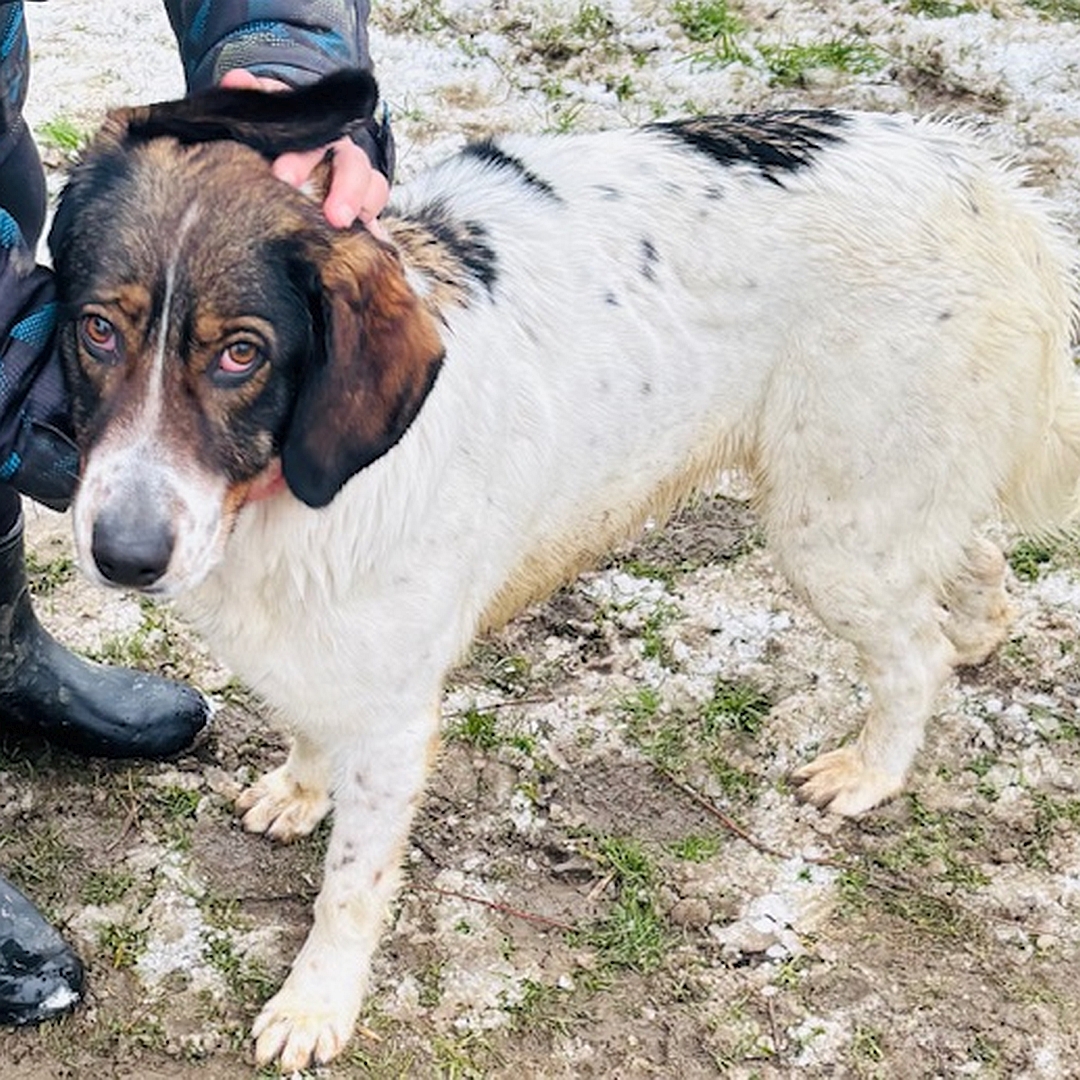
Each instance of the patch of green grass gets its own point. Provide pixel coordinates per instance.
(177, 803)
(176, 807)
(649, 571)
(149, 645)
(507, 672)
(661, 736)
(654, 644)
(642, 707)
(712, 25)
(735, 783)
(462, 1057)
(867, 1045)
(41, 859)
(246, 977)
(475, 728)
(632, 935)
(675, 740)
(429, 982)
(695, 848)
(123, 944)
(106, 886)
(944, 839)
(704, 21)
(542, 1008)
(895, 878)
(739, 705)
(415, 17)
(1050, 816)
(1065, 10)
(1029, 557)
(790, 64)
(984, 1050)
(47, 575)
(592, 22)
(938, 9)
(62, 133)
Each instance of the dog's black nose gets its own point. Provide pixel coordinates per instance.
(130, 552)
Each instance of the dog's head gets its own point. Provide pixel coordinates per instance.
(213, 325)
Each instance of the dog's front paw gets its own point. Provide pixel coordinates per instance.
(281, 807)
(296, 1033)
(841, 782)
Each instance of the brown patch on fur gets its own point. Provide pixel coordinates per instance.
(384, 351)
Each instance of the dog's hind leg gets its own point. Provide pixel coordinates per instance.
(978, 606)
(291, 800)
(905, 667)
(863, 575)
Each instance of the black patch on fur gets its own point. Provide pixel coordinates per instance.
(649, 258)
(775, 142)
(466, 241)
(492, 155)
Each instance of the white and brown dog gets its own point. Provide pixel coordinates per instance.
(565, 335)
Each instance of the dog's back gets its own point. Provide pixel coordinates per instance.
(887, 307)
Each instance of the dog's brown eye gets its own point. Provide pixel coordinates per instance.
(99, 336)
(239, 359)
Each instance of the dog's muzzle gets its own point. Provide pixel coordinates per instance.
(132, 549)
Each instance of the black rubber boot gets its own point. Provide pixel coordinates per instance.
(40, 977)
(79, 705)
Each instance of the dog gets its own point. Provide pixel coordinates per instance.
(564, 336)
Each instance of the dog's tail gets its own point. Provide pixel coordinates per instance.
(270, 123)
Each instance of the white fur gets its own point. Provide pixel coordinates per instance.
(881, 341)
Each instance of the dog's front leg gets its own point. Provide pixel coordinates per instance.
(378, 784)
(290, 801)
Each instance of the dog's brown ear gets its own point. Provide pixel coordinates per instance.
(299, 119)
(380, 356)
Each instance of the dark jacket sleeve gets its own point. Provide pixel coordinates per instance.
(293, 40)
(37, 454)
(14, 73)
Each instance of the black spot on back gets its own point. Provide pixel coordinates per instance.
(466, 241)
(649, 258)
(494, 156)
(775, 142)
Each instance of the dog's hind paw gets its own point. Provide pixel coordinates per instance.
(841, 782)
(281, 807)
(296, 1036)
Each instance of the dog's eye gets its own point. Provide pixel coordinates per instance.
(238, 360)
(99, 337)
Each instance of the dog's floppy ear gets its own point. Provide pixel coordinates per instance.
(379, 357)
(270, 123)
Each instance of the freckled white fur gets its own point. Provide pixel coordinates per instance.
(881, 342)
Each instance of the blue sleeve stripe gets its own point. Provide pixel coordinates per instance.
(10, 466)
(10, 234)
(37, 327)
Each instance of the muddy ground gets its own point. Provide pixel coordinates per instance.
(611, 876)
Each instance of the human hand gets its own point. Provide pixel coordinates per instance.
(357, 191)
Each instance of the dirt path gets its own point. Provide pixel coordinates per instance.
(611, 876)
